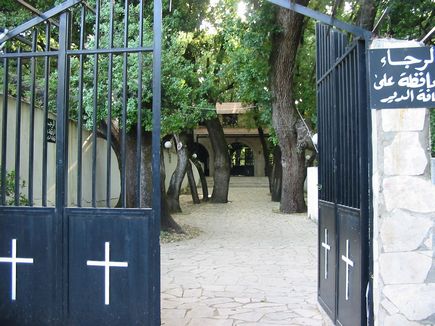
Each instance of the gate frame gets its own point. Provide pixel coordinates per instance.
(366, 36)
(59, 215)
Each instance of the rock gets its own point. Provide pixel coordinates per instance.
(405, 156)
(404, 267)
(403, 231)
(415, 301)
(397, 320)
(411, 193)
(389, 307)
(403, 119)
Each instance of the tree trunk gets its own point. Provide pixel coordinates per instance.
(179, 173)
(145, 186)
(367, 14)
(202, 178)
(276, 175)
(266, 153)
(166, 220)
(167, 223)
(222, 167)
(192, 184)
(285, 44)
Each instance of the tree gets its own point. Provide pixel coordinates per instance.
(285, 43)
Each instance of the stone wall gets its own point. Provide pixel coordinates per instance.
(404, 215)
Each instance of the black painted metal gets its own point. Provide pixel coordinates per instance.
(343, 176)
(68, 227)
(318, 16)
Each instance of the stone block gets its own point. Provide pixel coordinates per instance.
(404, 267)
(403, 231)
(403, 119)
(389, 307)
(397, 320)
(405, 156)
(415, 301)
(411, 193)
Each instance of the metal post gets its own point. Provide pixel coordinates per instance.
(61, 157)
(156, 201)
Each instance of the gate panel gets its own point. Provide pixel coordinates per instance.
(29, 278)
(76, 136)
(343, 174)
(110, 263)
(327, 257)
(350, 268)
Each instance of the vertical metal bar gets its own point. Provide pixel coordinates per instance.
(345, 131)
(156, 200)
(80, 107)
(139, 112)
(124, 109)
(317, 54)
(95, 106)
(353, 111)
(340, 91)
(61, 157)
(4, 128)
(357, 131)
(349, 126)
(109, 111)
(365, 171)
(67, 102)
(45, 113)
(32, 118)
(18, 131)
(319, 103)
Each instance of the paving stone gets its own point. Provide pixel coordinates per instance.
(234, 275)
(248, 316)
(192, 293)
(305, 321)
(281, 315)
(306, 312)
(209, 322)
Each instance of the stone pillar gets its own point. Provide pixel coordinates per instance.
(403, 214)
(313, 193)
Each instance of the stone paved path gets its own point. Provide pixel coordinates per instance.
(250, 266)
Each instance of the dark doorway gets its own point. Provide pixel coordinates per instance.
(242, 159)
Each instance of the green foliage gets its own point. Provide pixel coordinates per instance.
(10, 190)
(305, 77)
(407, 19)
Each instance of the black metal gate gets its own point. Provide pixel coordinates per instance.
(343, 128)
(80, 173)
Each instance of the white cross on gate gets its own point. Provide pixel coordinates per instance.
(14, 260)
(348, 262)
(327, 248)
(106, 263)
